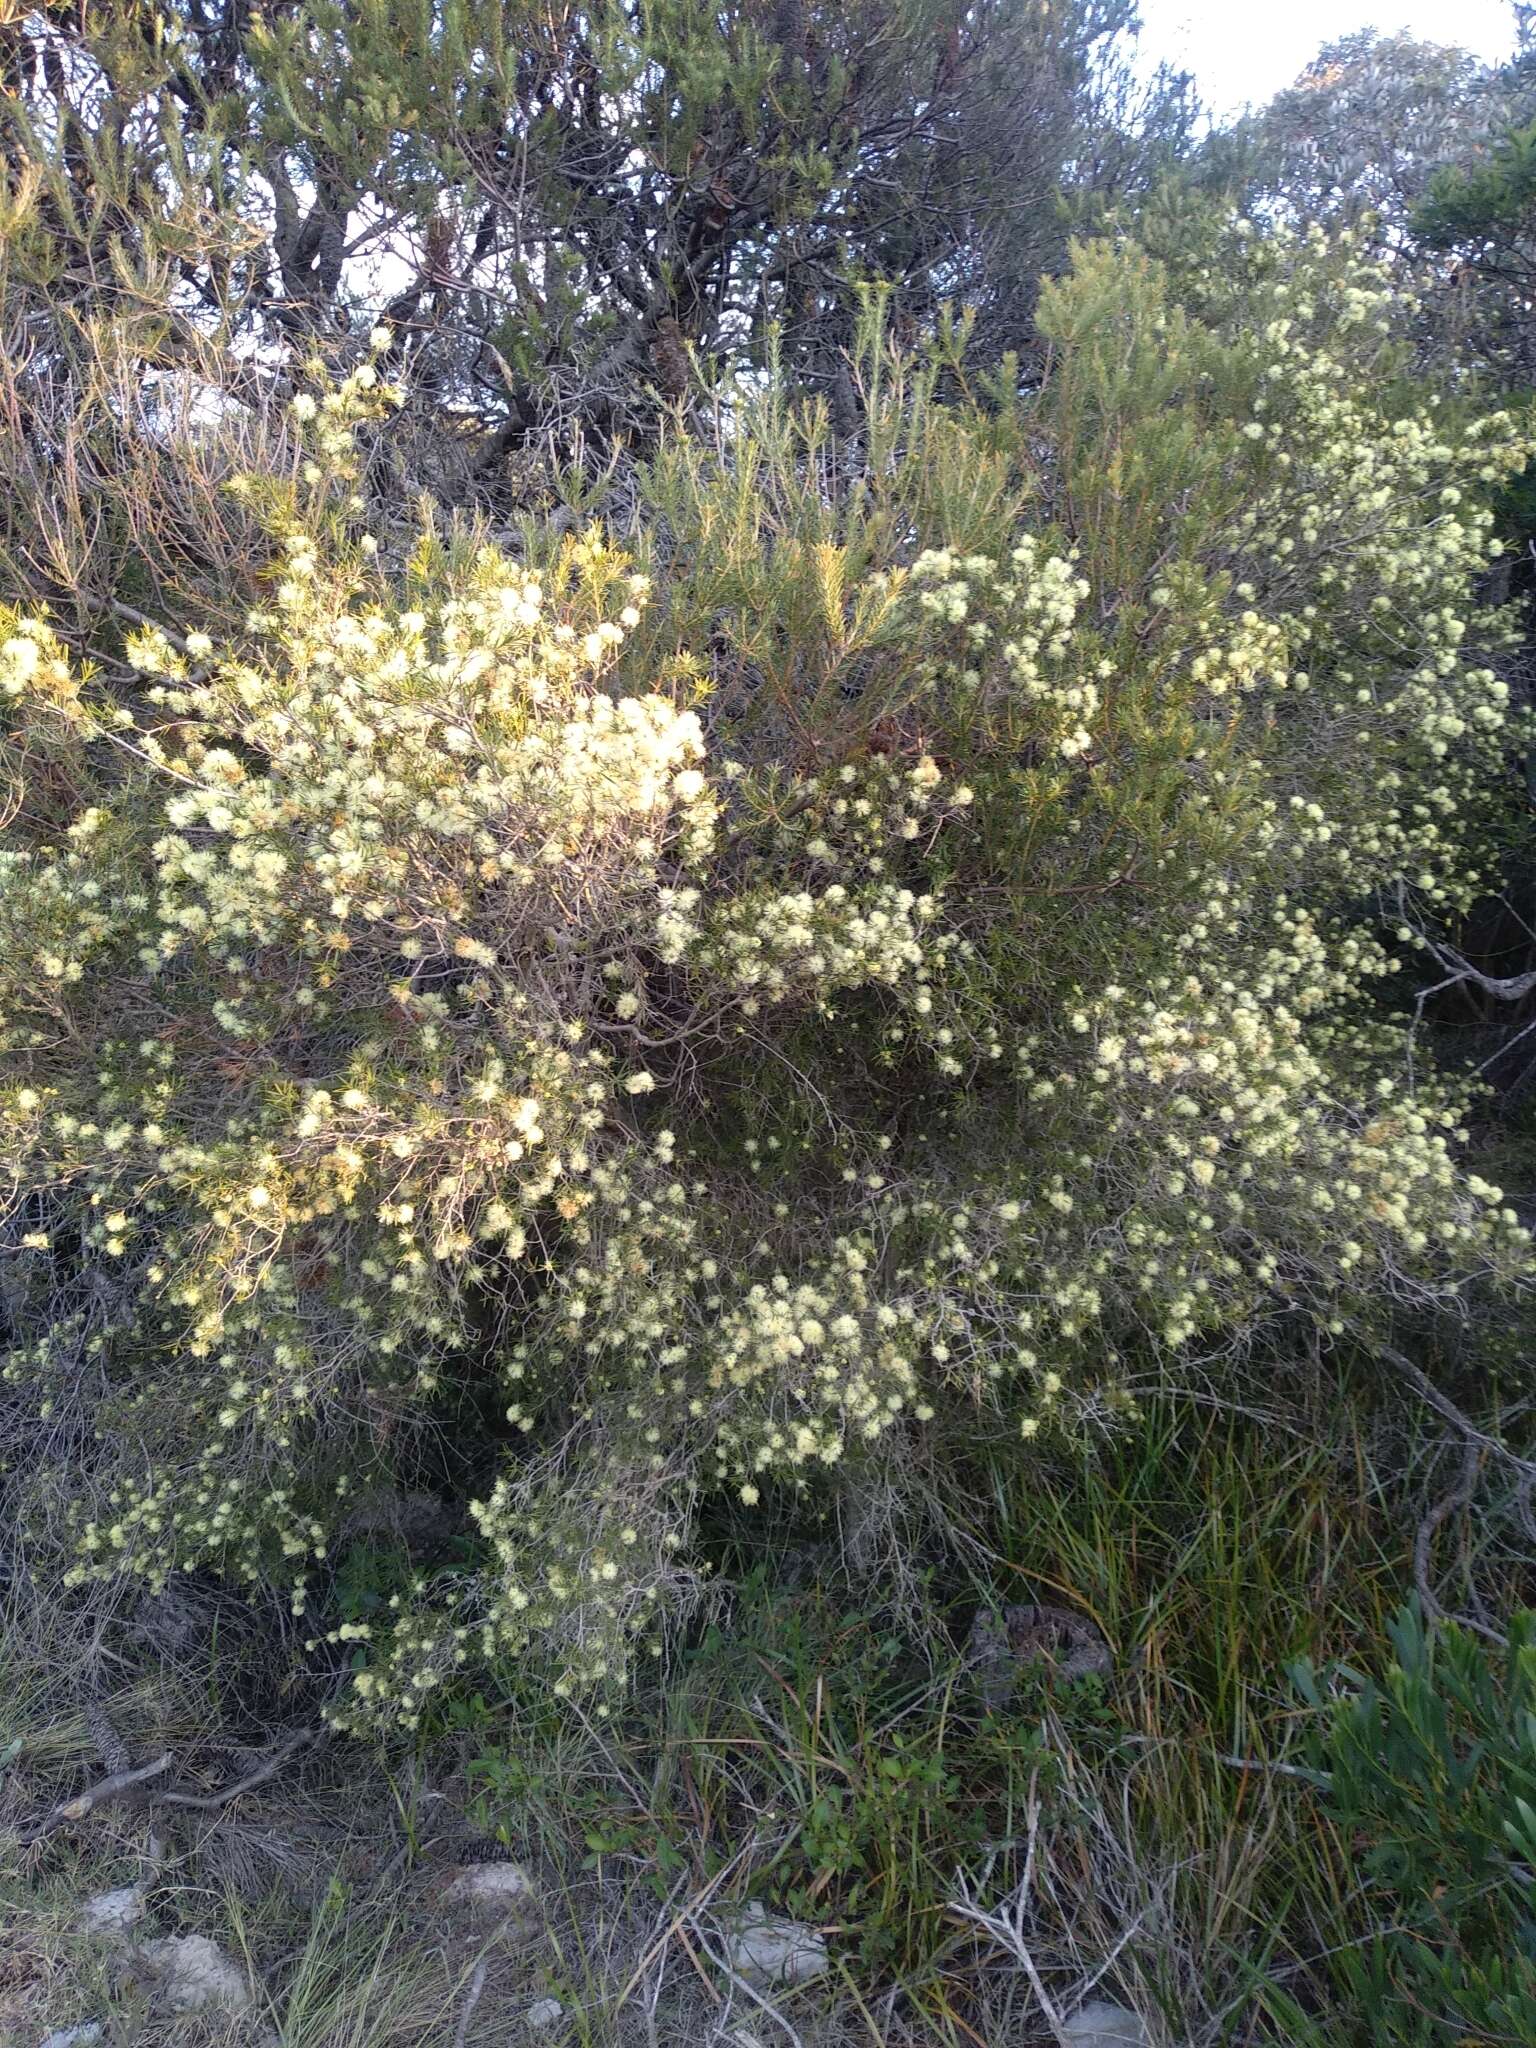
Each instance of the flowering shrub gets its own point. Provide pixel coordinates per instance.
(433, 1021)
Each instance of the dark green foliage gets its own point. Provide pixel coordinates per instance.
(819, 1736)
(1487, 202)
(1432, 1772)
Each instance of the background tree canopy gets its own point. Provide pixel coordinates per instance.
(552, 208)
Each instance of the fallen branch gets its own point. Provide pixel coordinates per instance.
(1444, 1406)
(105, 1792)
(120, 1784)
(269, 1768)
(471, 2000)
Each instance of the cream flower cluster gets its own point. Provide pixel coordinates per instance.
(412, 1009)
(378, 856)
(1017, 618)
(449, 784)
(853, 925)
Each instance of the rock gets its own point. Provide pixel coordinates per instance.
(1003, 1645)
(190, 1973)
(112, 1913)
(767, 1950)
(491, 1891)
(418, 1520)
(1098, 2024)
(86, 2035)
(544, 2012)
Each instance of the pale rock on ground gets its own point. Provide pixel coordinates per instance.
(112, 1913)
(190, 1973)
(186, 1972)
(766, 1950)
(1098, 2024)
(491, 1891)
(88, 2034)
(544, 2013)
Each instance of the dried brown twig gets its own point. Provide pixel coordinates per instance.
(106, 1791)
(123, 1784)
(268, 1768)
(1444, 1406)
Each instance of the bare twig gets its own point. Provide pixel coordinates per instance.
(1506, 988)
(1443, 1405)
(1321, 1779)
(269, 1768)
(741, 1984)
(471, 2000)
(1453, 1503)
(105, 1792)
(1006, 1923)
(1109, 1962)
(657, 1946)
(137, 618)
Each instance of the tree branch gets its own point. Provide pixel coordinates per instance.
(105, 1792)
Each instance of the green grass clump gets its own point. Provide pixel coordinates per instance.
(831, 1755)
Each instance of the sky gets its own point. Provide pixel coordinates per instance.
(1247, 50)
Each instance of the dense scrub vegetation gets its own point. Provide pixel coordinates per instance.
(725, 872)
(413, 1005)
